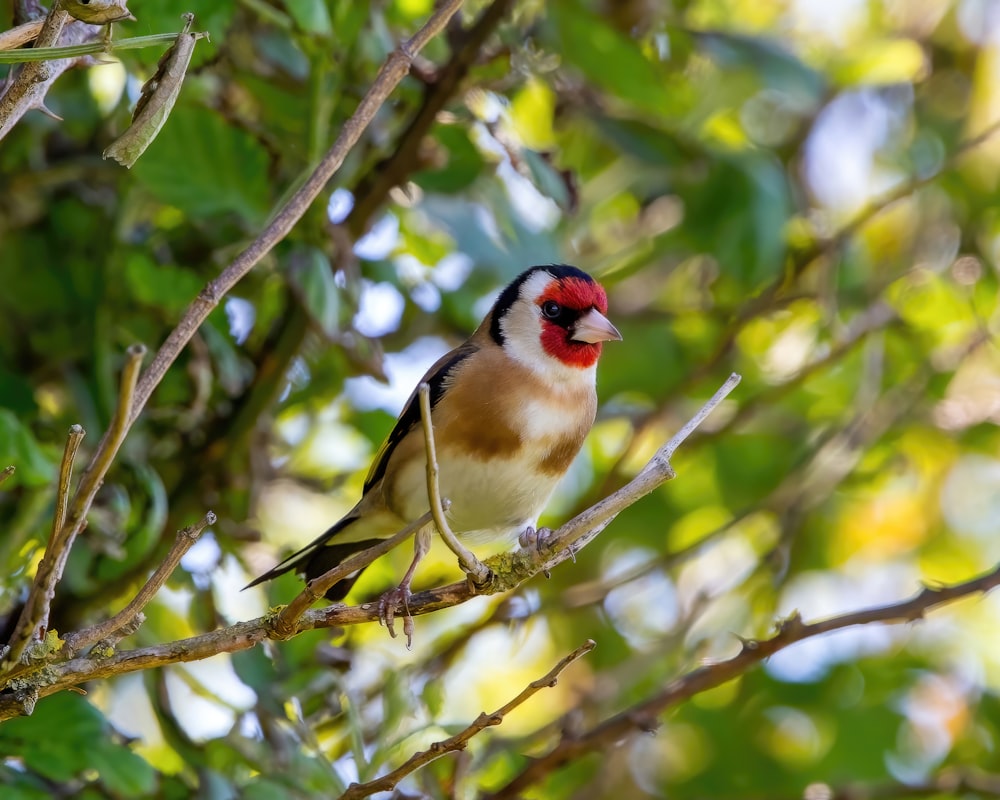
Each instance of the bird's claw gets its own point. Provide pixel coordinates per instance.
(388, 603)
(540, 539)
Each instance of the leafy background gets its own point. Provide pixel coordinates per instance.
(701, 157)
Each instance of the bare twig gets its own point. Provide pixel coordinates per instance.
(643, 715)
(6, 472)
(35, 614)
(357, 791)
(106, 451)
(285, 624)
(478, 572)
(186, 537)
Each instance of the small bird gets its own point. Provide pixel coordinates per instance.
(510, 408)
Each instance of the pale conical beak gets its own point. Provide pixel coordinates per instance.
(595, 327)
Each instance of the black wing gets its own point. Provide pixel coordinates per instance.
(436, 377)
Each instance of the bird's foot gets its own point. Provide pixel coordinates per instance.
(540, 539)
(389, 603)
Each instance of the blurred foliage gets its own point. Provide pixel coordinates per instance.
(699, 156)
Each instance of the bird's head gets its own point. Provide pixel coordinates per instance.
(552, 318)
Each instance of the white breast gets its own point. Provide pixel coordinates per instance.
(490, 501)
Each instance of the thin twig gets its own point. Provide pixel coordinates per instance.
(35, 614)
(6, 472)
(106, 451)
(357, 791)
(478, 572)
(186, 537)
(285, 624)
(76, 434)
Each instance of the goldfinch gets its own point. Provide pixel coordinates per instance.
(510, 410)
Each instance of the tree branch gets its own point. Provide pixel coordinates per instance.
(357, 791)
(6, 472)
(642, 716)
(186, 537)
(478, 573)
(35, 614)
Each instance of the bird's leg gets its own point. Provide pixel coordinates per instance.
(400, 596)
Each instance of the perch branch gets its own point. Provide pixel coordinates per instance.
(358, 791)
(244, 635)
(186, 537)
(478, 572)
(643, 716)
(35, 614)
(509, 570)
(286, 622)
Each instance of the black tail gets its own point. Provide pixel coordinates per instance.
(318, 557)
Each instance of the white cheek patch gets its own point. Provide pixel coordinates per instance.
(522, 332)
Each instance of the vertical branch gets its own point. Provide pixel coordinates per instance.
(35, 614)
(477, 571)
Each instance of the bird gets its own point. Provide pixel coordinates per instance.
(510, 409)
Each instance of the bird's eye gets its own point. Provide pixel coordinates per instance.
(551, 309)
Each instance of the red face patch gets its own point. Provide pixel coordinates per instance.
(580, 296)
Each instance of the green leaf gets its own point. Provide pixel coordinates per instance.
(204, 166)
(463, 163)
(160, 285)
(312, 276)
(611, 60)
(18, 447)
(310, 16)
